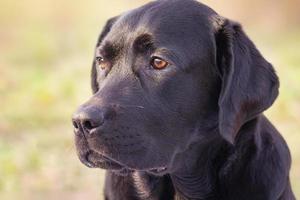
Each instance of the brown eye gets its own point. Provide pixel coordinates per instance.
(158, 63)
(101, 62)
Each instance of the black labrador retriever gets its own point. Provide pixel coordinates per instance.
(176, 113)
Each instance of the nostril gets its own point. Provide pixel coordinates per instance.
(88, 125)
(75, 124)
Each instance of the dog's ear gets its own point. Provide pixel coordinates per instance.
(104, 32)
(249, 82)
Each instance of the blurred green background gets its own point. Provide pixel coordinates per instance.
(46, 48)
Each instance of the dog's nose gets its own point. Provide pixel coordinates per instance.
(87, 118)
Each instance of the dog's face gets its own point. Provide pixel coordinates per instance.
(156, 88)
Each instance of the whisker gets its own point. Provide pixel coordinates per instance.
(129, 106)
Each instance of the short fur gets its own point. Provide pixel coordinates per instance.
(194, 130)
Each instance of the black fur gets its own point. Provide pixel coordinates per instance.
(193, 130)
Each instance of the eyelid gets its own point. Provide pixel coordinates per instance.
(102, 63)
(162, 57)
(100, 58)
(97, 58)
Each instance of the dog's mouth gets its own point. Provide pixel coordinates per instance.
(158, 170)
(94, 159)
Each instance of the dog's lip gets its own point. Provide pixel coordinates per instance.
(158, 170)
(105, 162)
(94, 159)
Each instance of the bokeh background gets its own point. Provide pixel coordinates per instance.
(46, 49)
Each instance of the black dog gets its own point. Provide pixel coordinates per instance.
(176, 113)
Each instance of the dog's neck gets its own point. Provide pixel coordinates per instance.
(146, 186)
(195, 178)
(152, 187)
(198, 169)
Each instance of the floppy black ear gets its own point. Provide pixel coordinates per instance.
(104, 32)
(249, 82)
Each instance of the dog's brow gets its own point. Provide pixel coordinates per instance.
(107, 50)
(143, 42)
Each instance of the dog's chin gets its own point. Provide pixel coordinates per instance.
(93, 159)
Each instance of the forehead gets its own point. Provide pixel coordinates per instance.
(169, 22)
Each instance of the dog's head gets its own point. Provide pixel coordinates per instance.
(165, 76)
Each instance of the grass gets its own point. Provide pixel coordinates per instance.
(46, 50)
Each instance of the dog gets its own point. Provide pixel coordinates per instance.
(177, 109)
